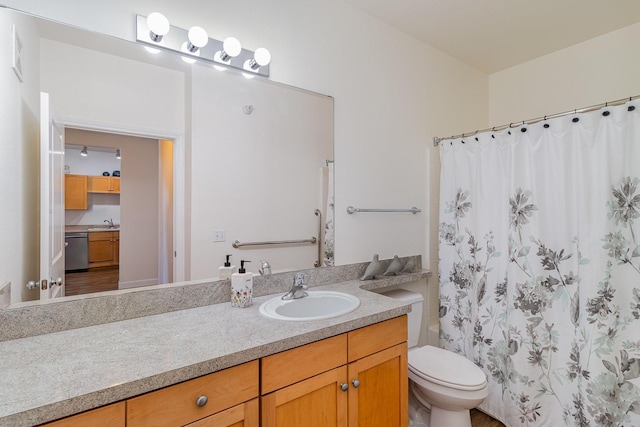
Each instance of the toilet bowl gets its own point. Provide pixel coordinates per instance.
(448, 383)
(444, 382)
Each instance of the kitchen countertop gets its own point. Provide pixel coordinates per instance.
(46, 377)
(88, 228)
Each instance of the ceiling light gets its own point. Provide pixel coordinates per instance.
(84, 152)
(158, 26)
(118, 154)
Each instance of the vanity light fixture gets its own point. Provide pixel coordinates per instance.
(158, 26)
(118, 154)
(84, 152)
(196, 45)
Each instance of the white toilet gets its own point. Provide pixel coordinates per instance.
(441, 381)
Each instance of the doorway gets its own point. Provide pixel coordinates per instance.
(142, 211)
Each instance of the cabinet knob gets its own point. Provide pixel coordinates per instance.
(355, 383)
(202, 400)
(344, 386)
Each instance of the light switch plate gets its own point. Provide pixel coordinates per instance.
(219, 235)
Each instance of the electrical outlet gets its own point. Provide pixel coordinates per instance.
(219, 235)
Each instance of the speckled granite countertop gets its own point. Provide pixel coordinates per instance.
(89, 228)
(46, 377)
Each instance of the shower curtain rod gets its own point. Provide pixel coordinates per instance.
(436, 140)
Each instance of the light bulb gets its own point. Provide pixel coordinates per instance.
(158, 26)
(232, 46)
(84, 152)
(230, 49)
(198, 38)
(262, 56)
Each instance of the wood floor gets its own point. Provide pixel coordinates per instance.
(480, 419)
(93, 280)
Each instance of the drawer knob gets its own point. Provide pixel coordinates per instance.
(355, 383)
(202, 400)
(344, 386)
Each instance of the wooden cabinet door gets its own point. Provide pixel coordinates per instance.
(115, 184)
(378, 389)
(107, 416)
(101, 248)
(243, 415)
(75, 192)
(315, 402)
(99, 184)
(116, 247)
(104, 184)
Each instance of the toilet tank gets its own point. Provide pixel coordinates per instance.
(415, 316)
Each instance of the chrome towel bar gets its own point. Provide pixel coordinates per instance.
(352, 210)
(312, 241)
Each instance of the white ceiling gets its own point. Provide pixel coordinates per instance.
(492, 35)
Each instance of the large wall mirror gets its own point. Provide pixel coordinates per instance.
(208, 157)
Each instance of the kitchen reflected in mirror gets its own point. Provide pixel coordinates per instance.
(258, 176)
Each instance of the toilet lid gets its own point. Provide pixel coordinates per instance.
(446, 368)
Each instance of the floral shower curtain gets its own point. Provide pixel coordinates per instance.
(539, 268)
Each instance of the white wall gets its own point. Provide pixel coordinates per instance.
(257, 176)
(100, 206)
(138, 203)
(19, 152)
(599, 70)
(103, 86)
(393, 94)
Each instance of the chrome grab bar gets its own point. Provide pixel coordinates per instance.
(237, 244)
(352, 210)
(318, 262)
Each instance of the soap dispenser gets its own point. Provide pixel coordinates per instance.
(241, 287)
(226, 270)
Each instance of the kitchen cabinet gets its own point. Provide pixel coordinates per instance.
(224, 398)
(106, 416)
(355, 379)
(104, 184)
(104, 248)
(75, 192)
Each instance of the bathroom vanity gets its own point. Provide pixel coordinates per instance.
(215, 362)
(357, 378)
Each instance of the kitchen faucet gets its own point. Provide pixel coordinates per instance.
(110, 221)
(297, 289)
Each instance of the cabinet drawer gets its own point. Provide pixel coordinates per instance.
(176, 405)
(370, 339)
(282, 369)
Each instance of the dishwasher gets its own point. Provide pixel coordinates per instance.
(76, 252)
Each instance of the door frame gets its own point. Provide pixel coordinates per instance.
(180, 211)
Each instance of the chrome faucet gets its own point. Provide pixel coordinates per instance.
(298, 289)
(265, 269)
(110, 221)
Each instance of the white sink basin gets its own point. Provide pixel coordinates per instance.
(318, 305)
